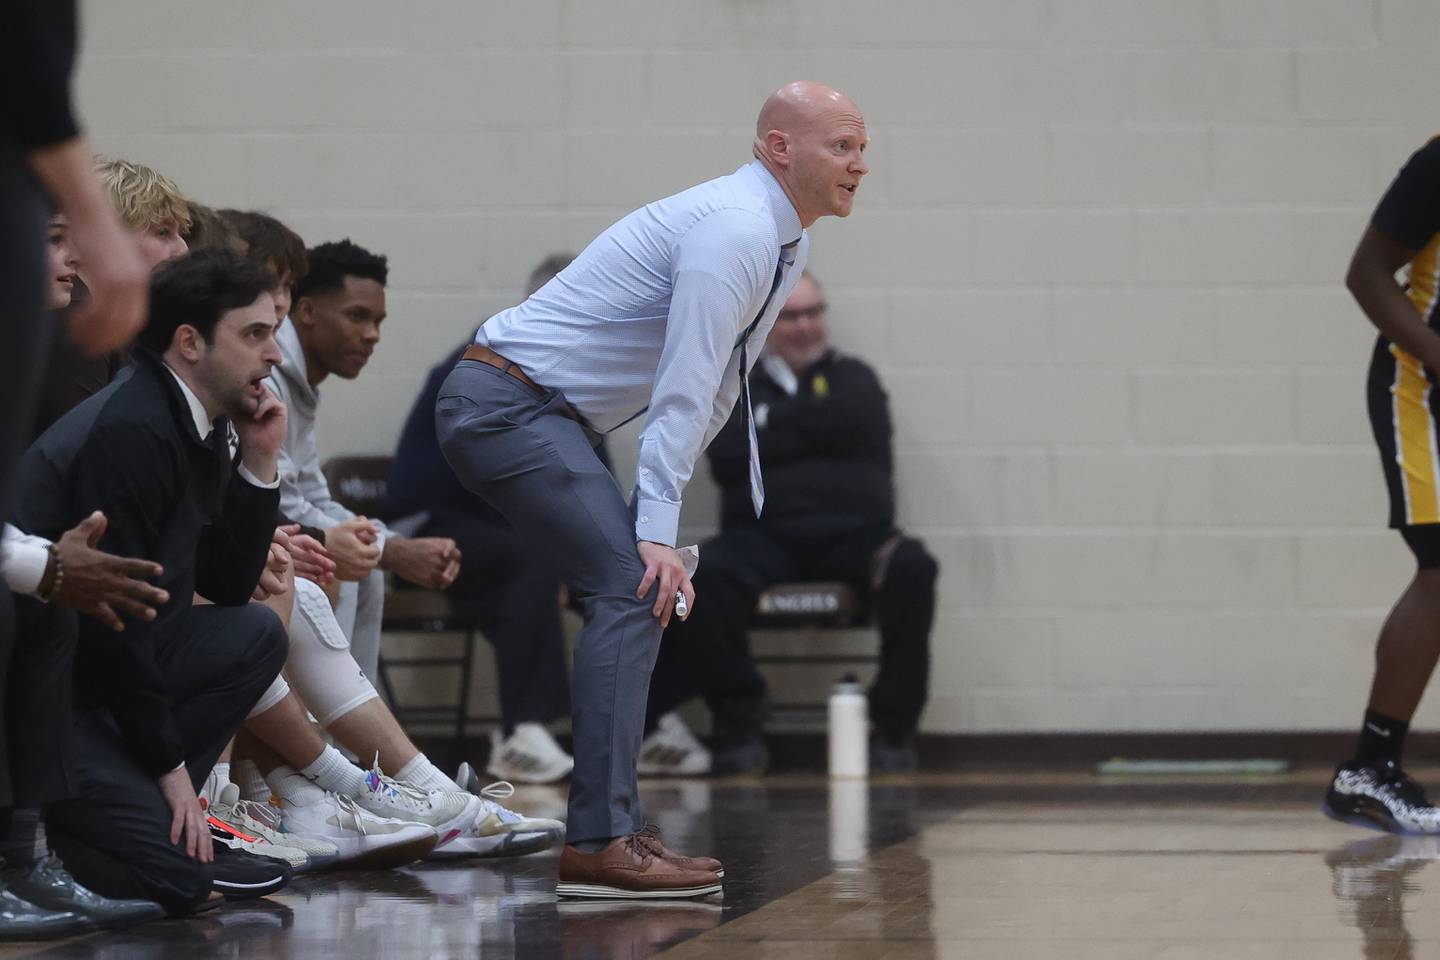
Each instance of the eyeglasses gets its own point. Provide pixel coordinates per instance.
(808, 313)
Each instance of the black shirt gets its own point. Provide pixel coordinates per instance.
(824, 453)
(132, 451)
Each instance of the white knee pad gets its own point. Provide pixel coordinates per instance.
(324, 673)
(277, 691)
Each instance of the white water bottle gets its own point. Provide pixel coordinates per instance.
(849, 730)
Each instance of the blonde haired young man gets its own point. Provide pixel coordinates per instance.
(151, 205)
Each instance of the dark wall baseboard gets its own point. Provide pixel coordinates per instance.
(805, 752)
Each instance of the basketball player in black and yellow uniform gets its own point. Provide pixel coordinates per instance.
(1372, 788)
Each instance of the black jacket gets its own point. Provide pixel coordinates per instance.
(132, 451)
(824, 453)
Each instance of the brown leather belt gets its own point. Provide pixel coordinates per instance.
(487, 356)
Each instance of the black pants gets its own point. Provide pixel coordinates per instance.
(115, 838)
(708, 653)
(36, 661)
(512, 593)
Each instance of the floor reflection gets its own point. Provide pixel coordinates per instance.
(1371, 878)
(775, 836)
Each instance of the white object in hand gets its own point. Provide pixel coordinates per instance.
(849, 730)
(682, 607)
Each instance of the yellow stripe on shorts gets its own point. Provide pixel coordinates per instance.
(1415, 439)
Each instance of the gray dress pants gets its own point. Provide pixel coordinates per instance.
(519, 451)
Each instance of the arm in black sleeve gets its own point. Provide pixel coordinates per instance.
(132, 475)
(235, 546)
(1410, 210)
(37, 51)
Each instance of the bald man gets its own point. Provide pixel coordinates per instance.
(660, 317)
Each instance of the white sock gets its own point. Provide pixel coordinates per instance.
(331, 771)
(252, 784)
(293, 788)
(421, 772)
(216, 780)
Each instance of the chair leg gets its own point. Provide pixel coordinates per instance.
(467, 664)
(387, 690)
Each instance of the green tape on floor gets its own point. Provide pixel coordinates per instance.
(1150, 768)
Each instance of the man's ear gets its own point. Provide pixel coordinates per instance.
(302, 312)
(777, 144)
(188, 343)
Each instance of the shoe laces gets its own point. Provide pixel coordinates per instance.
(50, 866)
(650, 839)
(640, 844)
(492, 794)
(262, 813)
(347, 805)
(407, 795)
(1401, 786)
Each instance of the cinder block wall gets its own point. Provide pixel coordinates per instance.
(1098, 264)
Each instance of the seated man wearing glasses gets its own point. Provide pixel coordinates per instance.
(823, 423)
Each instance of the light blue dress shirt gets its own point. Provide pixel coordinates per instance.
(648, 318)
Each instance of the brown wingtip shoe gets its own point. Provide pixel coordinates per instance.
(651, 837)
(630, 869)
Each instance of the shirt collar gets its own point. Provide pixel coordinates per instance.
(203, 426)
(787, 220)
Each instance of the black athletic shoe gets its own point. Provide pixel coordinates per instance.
(890, 755)
(1381, 796)
(48, 884)
(242, 876)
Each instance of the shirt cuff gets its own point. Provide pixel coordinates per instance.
(25, 559)
(657, 521)
(250, 478)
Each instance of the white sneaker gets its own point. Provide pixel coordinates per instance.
(529, 755)
(261, 822)
(672, 751)
(501, 832)
(361, 838)
(447, 812)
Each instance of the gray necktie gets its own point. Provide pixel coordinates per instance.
(757, 482)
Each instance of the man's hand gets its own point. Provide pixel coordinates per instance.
(354, 546)
(663, 563)
(115, 271)
(309, 557)
(262, 434)
(187, 820)
(275, 578)
(100, 585)
(119, 286)
(432, 562)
